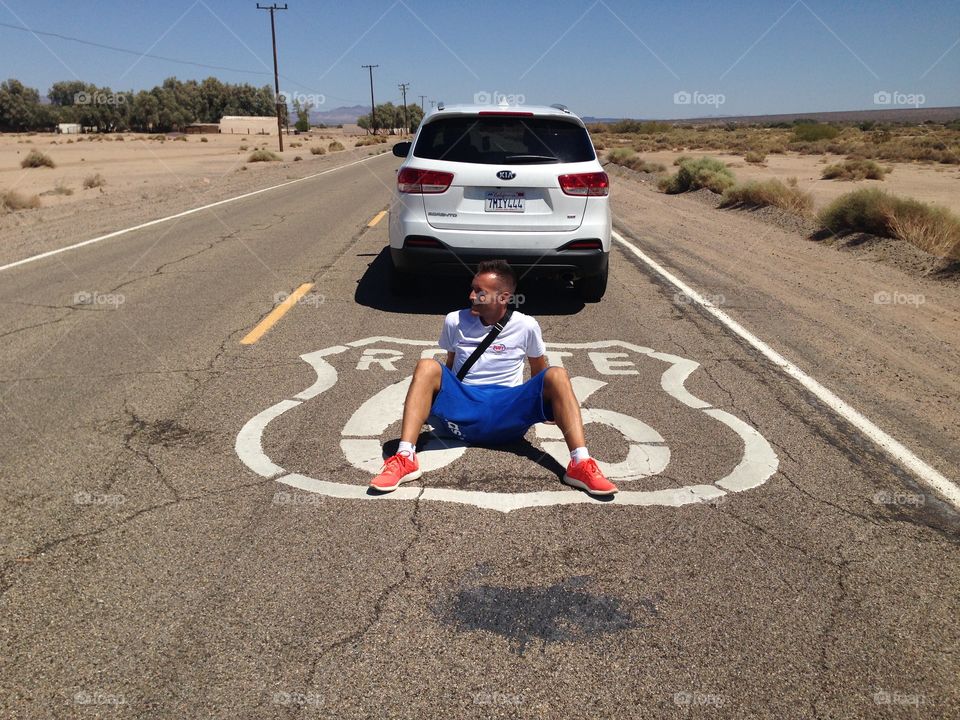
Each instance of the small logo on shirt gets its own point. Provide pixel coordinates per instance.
(498, 347)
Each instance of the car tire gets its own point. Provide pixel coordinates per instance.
(593, 287)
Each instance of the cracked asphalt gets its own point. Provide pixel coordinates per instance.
(147, 572)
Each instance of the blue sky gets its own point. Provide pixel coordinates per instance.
(608, 58)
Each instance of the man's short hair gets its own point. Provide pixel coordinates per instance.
(502, 269)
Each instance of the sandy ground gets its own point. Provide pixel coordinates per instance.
(881, 337)
(145, 179)
(932, 183)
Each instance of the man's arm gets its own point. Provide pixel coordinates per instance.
(450, 358)
(538, 365)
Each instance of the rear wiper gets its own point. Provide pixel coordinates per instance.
(530, 158)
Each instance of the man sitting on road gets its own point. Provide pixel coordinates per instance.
(490, 404)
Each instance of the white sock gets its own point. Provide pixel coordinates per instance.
(408, 448)
(579, 454)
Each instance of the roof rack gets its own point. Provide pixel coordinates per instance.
(562, 108)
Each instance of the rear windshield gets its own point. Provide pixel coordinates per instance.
(504, 141)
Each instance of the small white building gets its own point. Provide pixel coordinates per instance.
(68, 128)
(248, 125)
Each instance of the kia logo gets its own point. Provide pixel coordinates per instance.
(506, 175)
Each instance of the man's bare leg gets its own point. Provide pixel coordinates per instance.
(416, 407)
(566, 408)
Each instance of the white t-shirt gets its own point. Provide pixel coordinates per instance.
(502, 362)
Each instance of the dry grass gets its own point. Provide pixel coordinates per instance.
(37, 159)
(370, 140)
(262, 155)
(755, 157)
(317, 151)
(11, 201)
(93, 181)
(756, 193)
(874, 211)
(59, 189)
(858, 169)
(629, 159)
(335, 146)
(705, 172)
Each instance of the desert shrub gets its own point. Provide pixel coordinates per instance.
(370, 140)
(811, 132)
(874, 211)
(754, 157)
(317, 151)
(297, 158)
(335, 146)
(757, 193)
(203, 139)
(705, 172)
(243, 148)
(629, 159)
(59, 189)
(37, 159)
(262, 156)
(11, 201)
(94, 181)
(855, 169)
(181, 138)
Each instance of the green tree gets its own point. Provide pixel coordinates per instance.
(19, 106)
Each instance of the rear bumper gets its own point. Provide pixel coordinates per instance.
(549, 263)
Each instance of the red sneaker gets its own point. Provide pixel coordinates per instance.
(398, 469)
(587, 476)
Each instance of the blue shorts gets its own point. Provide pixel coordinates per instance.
(490, 414)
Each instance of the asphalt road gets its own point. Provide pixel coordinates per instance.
(764, 561)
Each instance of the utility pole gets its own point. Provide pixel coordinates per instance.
(276, 75)
(373, 108)
(406, 123)
(423, 103)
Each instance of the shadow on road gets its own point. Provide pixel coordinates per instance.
(438, 296)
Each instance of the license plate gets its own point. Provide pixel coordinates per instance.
(502, 201)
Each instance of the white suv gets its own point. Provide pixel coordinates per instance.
(518, 183)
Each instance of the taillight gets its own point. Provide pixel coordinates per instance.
(412, 180)
(595, 183)
(583, 245)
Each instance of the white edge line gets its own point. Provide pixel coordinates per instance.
(893, 447)
(51, 253)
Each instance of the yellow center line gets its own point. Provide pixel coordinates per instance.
(278, 312)
(377, 218)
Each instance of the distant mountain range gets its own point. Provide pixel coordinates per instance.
(339, 116)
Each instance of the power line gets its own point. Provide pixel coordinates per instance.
(131, 52)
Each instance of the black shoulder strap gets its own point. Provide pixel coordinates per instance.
(481, 348)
